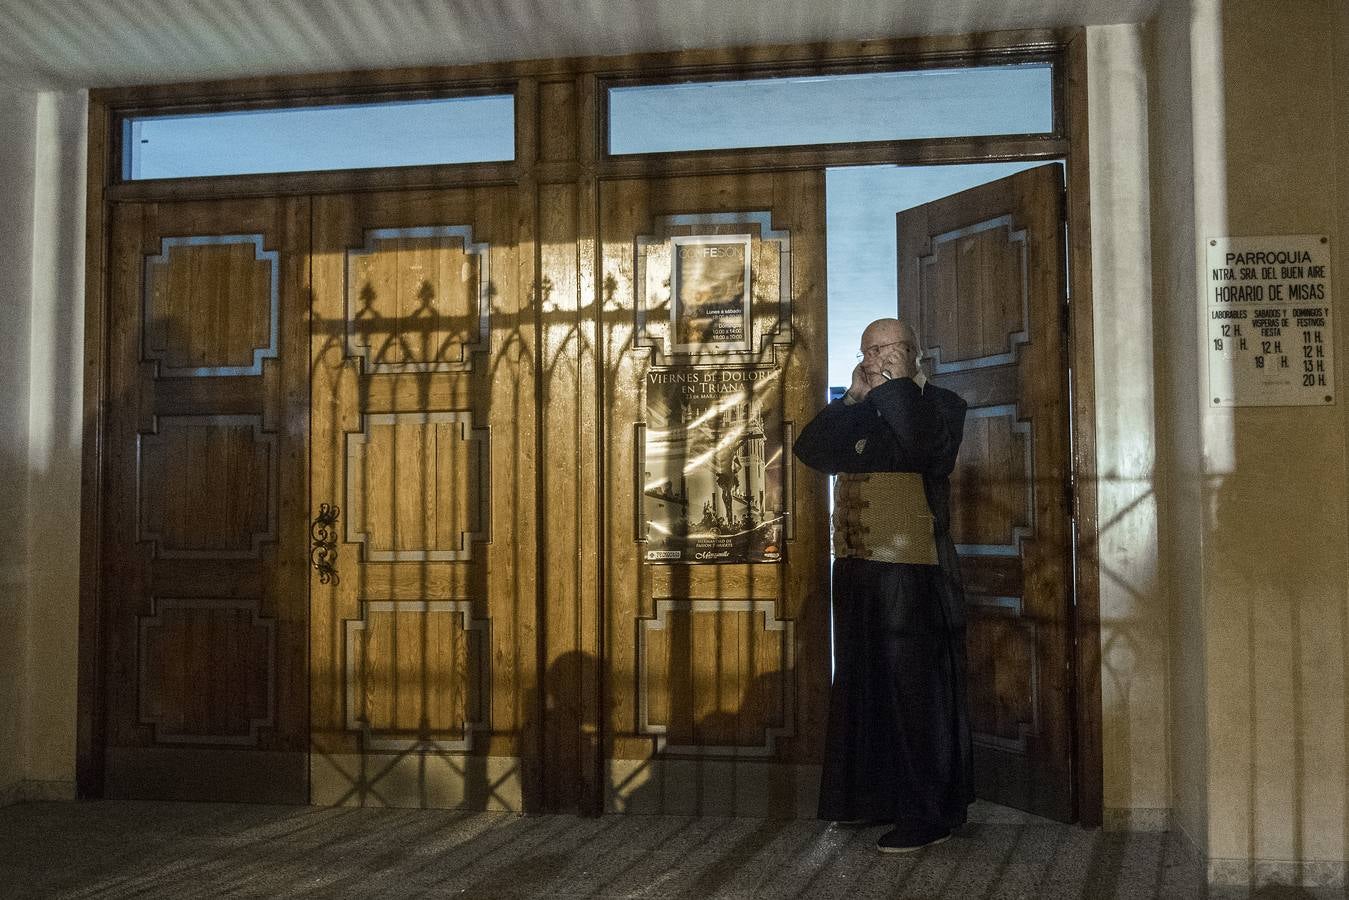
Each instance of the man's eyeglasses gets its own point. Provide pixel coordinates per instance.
(875, 349)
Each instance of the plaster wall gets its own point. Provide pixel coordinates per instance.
(1275, 556)
(17, 154)
(1134, 623)
(1249, 137)
(41, 299)
(1172, 45)
(56, 348)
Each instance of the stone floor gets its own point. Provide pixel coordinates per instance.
(182, 850)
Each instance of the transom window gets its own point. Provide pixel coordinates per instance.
(320, 138)
(832, 109)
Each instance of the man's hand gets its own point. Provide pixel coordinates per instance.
(861, 383)
(900, 362)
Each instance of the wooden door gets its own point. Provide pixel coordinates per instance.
(716, 673)
(981, 276)
(422, 485)
(205, 543)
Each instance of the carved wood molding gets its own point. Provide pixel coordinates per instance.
(1019, 533)
(353, 680)
(144, 689)
(479, 478)
(155, 441)
(1009, 611)
(152, 306)
(363, 320)
(1017, 237)
(786, 631)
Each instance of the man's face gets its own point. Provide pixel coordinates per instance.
(886, 347)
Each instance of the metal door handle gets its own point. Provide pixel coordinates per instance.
(323, 554)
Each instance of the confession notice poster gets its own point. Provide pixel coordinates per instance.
(709, 291)
(712, 490)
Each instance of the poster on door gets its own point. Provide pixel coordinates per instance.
(710, 291)
(711, 487)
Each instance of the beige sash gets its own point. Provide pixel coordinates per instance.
(883, 516)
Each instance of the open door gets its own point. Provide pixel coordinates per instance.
(981, 276)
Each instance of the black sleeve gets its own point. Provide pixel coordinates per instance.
(928, 425)
(827, 441)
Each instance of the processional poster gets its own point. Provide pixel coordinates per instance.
(712, 490)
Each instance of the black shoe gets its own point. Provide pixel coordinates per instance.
(908, 838)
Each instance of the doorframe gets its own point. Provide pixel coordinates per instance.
(1088, 759)
(585, 167)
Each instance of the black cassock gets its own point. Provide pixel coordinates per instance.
(898, 740)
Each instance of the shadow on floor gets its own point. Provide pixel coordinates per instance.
(117, 849)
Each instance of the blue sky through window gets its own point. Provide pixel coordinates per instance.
(318, 138)
(827, 109)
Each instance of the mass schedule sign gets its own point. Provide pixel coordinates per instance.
(1270, 336)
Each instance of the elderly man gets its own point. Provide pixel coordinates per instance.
(898, 743)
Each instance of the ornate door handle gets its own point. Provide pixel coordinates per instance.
(323, 554)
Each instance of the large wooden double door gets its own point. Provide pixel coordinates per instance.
(380, 503)
(320, 529)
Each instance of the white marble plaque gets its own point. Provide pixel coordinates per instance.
(1270, 338)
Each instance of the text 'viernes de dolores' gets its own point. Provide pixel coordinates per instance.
(719, 381)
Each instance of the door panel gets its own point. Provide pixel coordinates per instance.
(422, 643)
(716, 675)
(205, 551)
(981, 277)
